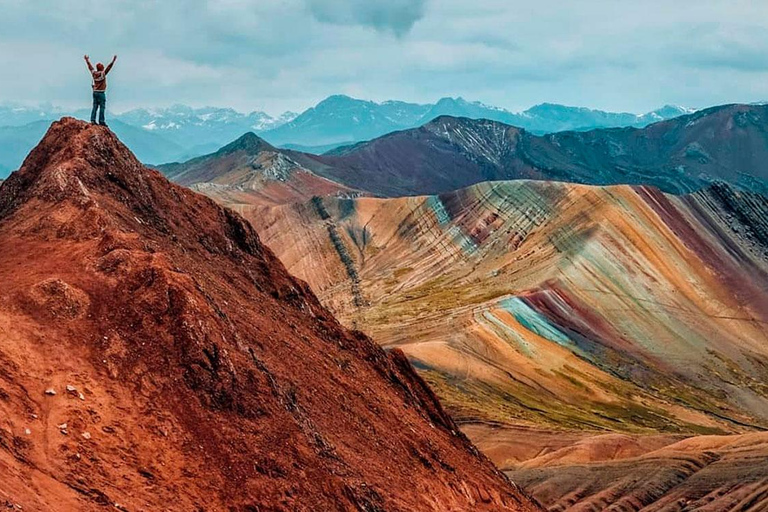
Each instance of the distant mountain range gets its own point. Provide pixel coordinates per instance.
(202, 127)
(179, 133)
(341, 119)
(727, 143)
(174, 120)
(550, 117)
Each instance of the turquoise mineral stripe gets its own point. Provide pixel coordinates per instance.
(458, 237)
(534, 321)
(462, 240)
(436, 205)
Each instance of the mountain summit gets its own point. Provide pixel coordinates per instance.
(250, 171)
(156, 356)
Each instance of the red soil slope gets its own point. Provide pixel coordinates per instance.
(190, 370)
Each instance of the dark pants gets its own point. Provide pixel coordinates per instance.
(99, 104)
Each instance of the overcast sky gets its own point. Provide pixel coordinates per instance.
(275, 55)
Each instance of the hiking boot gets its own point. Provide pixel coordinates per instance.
(104, 125)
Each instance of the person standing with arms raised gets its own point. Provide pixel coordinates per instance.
(99, 85)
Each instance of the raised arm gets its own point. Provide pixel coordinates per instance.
(88, 61)
(109, 66)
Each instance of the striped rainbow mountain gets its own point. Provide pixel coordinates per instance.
(616, 308)
(560, 307)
